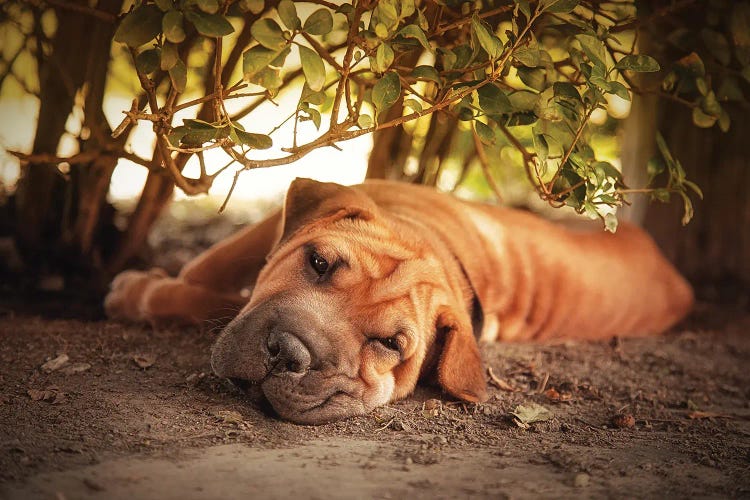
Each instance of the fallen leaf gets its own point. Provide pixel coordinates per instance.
(144, 360)
(50, 393)
(75, 368)
(230, 417)
(498, 382)
(623, 421)
(531, 413)
(55, 364)
(552, 394)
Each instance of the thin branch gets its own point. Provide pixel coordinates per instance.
(77, 7)
(569, 151)
(485, 163)
(345, 67)
(79, 158)
(466, 20)
(528, 157)
(663, 12)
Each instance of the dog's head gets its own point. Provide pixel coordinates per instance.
(349, 311)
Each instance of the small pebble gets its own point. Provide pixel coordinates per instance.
(581, 480)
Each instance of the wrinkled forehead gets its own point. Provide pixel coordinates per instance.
(352, 240)
(370, 258)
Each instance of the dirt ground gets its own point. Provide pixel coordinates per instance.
(136, 413)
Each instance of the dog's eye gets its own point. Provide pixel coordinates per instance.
(318, 263)
(390, 343)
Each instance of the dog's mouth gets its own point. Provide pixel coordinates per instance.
(293, 401)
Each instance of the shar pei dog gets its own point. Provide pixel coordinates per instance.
(360, 292)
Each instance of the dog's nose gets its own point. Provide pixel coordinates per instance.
(288, 353)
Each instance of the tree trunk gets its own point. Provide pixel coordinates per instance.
(715, 246)
(41, 187)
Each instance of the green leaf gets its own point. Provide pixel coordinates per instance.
(364, 121)
(268, 78)
(547, 108)
(288, 14)
(415, 32)
(711, 105)
(493, 101)
(724, 121)
(523, 100)
(485, 133)
(139, 26)
(313, 67)
(692, 64)
(208, 6)
(312, 97)
(664, 149)
(702, 119)
(169, 56)
(254, 141)
(541, 147)
(688, 206)
(211, 25)
(196, 135)
(386, 91)
(422, 21)
(407, 8)
(489, 42)
(605, 169)
(413, 104)
(640, 63)
(558, 6)
(171, 25)
(523, 6)
(594, 49)
(319, 22)
(315, 117)
(533, 77)
(694, 187)
(164, 5)
(381, 30)
(619, 90)
(383, 58)
(268, 33)
(566, 90)
(178, 76)
(425, 72)
(654, 167)
(256, 62)
(528, 56)
(254, 6)
(662, 195)
(610, 222)
(148, 61)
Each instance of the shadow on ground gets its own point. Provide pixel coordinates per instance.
(136, 413)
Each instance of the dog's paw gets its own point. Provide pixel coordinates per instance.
(127, 291)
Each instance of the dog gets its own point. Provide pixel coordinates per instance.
(360, 292)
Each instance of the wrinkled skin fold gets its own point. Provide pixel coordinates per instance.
(360, 292)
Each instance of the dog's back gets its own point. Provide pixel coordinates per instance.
(536, 279)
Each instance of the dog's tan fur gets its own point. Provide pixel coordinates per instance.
(425, 268)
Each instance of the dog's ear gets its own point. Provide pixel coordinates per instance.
(308, 201)
(460, 371)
